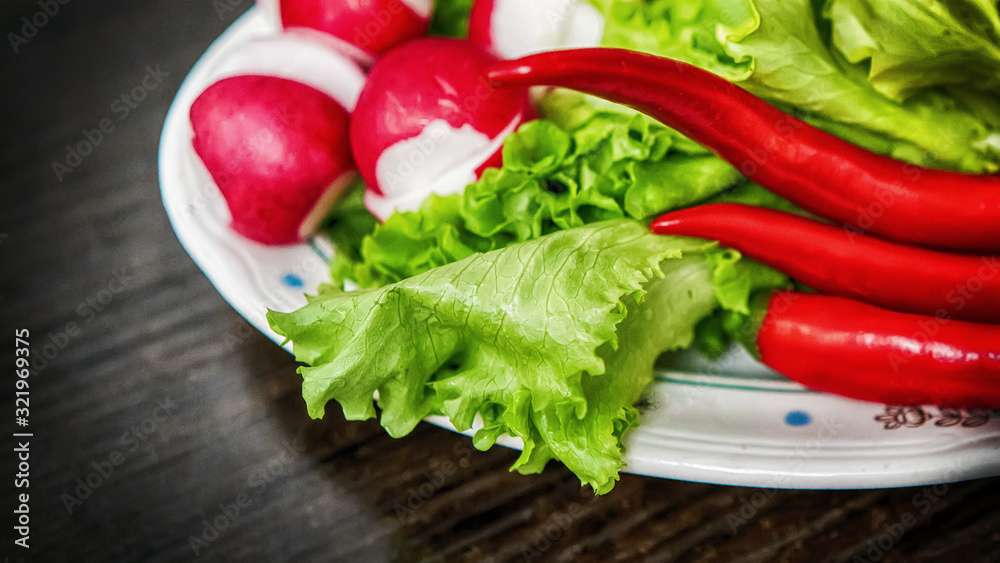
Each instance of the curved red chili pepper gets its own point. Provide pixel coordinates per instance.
(826, 258)
(813, 169)
(860, 351)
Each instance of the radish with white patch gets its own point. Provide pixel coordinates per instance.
(428, 122)
(366, 28)
(278, 151)
(514, 28)
(273, 133)
(299, 58)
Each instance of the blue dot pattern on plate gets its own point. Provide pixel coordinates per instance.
(293, 281)
(797, 418)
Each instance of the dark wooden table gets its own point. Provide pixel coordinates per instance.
(165, 428)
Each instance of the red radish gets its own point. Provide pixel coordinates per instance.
(514, 28)
(297, 58)
(428, 121)
(371, 26)
(278, 151)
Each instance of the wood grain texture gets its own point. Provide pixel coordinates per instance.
(95, 249)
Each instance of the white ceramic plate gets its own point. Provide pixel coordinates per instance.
(729, 422)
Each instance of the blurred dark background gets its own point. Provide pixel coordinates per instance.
(165, 428)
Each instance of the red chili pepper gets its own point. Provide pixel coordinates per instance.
(826, 258)
(853, 349)
(813, 169)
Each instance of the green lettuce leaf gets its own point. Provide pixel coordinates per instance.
(915, 44)
(749, 193)
(551, 340)
(735, 280)
(782, 51)
(608, 165)
(793, 64)
(451, 18)
(680, 29)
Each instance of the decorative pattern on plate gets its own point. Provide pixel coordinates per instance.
(915, 417)
(729, 422)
